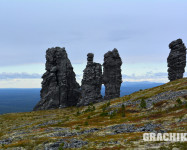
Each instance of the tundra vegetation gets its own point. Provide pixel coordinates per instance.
(115, 124)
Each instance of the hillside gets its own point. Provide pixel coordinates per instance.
(103, 126)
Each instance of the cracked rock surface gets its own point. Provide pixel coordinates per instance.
(112, 77)
(59, 86)
(91, 82)
(176, 60)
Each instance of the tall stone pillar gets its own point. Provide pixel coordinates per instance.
(112, 77)
(176, 60)
(91, 82)
(59, 86)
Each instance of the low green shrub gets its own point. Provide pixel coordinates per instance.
(179, 101)
(123, 110)
(143, 103)
(61, 146)
(86, 123)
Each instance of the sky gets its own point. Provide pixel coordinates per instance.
(141, 30)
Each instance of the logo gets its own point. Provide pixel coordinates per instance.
(165, 137)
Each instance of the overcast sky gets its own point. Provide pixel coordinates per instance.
(140, 29)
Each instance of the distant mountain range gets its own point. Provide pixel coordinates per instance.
(23, 100)
(140, 84)
(130, 87)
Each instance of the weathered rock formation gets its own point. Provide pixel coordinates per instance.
(176, 60)
(59, 86)
(91, 82)
(112, 77)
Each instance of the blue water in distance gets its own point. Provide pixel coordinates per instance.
(18, 100)
(24, 100)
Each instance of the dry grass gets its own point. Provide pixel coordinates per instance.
(68, 118)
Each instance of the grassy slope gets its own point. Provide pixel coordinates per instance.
(166, 113)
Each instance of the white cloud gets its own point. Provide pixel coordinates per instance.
(20, 83)
(25, 80)
(149, 76)
(30, 27)
(6, 76)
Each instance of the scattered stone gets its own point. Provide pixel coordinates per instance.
(91, 82)
(176, 60)
(122, 128)
(125, 128)
(59, 86)
(59, 129)
(6, 141)
(71, 143)
(112, 77)
(169, 95)
(67, 133)
(109, 143)
(149, 127)
(112, 111)
(51, 122)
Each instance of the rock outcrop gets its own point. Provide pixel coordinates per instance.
(91, 82)
(112, 77)
(176, 60)
(59, 86)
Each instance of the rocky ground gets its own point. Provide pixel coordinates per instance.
(115, 124)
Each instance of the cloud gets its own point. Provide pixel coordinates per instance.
(28, 77)
(21, 83)
(30, 27)
(159, 77)
(148, 76)
(6, 76)
(26, 80)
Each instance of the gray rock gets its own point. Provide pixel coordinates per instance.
(109, 143)
(6, 141)
(59, 86)
(112, 77)
(51, 122)
(128, 128)
(123, 128)
(71, 143)
(67, 133)
(91, 82)
(149, 127)
(168, 95)
(176, 60)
